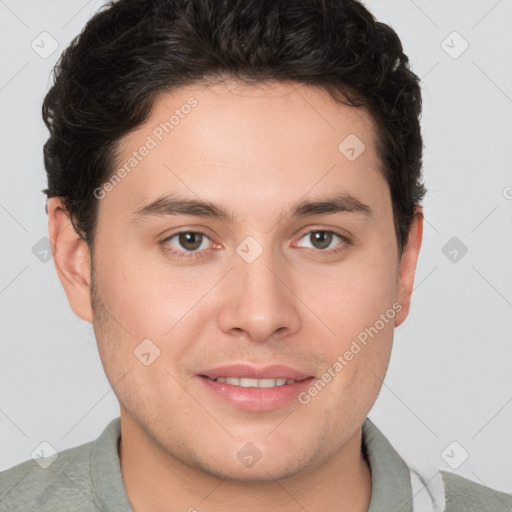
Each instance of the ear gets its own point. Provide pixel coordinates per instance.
(71, 258)
(407, 266)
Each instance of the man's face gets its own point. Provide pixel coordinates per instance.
(257, 289)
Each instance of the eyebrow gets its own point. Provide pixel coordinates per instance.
(172, 205)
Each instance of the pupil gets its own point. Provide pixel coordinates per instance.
(190, 241)
(321, 239)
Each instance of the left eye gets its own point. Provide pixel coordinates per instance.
(190, 241)
(321, 239)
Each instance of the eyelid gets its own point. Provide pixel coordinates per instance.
(181, 230)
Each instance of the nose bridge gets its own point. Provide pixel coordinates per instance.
(258, 302)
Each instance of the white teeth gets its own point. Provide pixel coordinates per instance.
(266, 383)
(254, 383)
(248, 383)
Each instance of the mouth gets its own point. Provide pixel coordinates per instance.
(245, 382)
(255, 389)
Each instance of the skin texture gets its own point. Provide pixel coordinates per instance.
(256, 151)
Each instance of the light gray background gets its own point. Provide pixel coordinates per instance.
(449, 378)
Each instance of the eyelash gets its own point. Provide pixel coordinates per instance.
(201, 254)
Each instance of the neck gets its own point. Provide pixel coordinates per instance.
(156, 480)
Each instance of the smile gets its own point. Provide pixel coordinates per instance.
(254, 383)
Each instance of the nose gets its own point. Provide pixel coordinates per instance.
(258, 300)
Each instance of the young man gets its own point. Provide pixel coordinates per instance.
(235, 205)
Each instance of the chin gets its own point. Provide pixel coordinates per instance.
(249, 464)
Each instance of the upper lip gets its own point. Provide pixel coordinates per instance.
(252, 372)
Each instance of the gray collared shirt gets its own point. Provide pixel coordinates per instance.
(395, 487)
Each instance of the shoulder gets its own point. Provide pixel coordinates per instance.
(467, 496)
(56, 484)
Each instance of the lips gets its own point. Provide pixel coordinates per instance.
(246, 371)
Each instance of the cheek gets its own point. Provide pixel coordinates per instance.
(353, 298)
(149, 298)
(357, 303)
(139, 334)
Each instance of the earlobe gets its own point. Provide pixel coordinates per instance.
(407, 266)
(71, 257)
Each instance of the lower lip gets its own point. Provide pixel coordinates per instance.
(257, 399)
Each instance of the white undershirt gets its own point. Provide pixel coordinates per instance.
(427, 496)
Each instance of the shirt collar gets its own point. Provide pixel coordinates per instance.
(391, 484)
(106, 473)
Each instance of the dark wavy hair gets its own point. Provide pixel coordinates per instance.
(107, 81)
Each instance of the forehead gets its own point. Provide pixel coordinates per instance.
(248, 146)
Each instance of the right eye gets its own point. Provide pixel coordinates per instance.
(186, 243)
